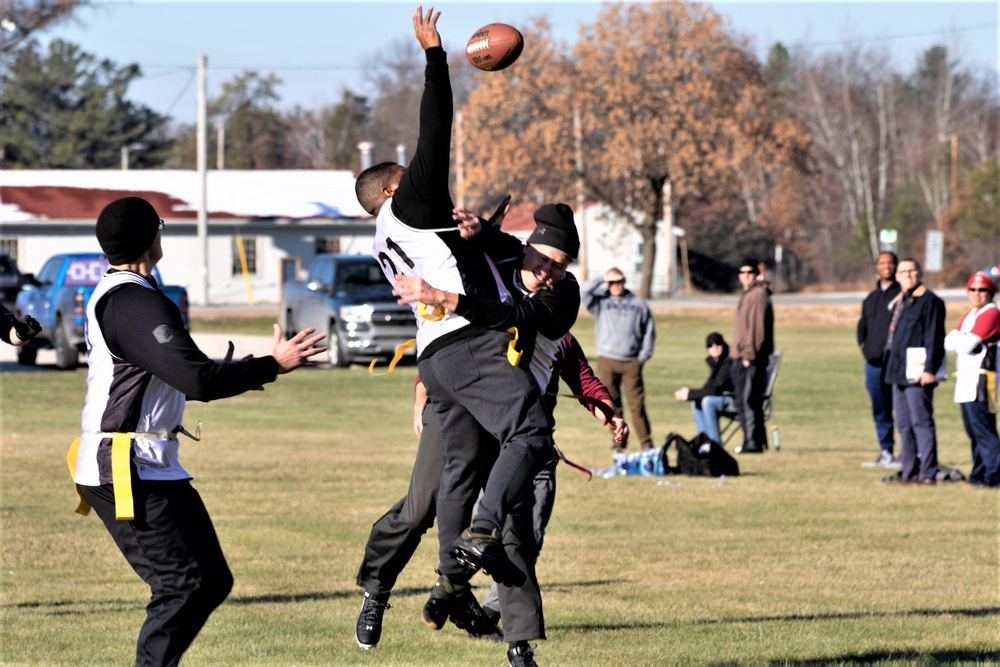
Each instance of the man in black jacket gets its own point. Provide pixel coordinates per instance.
(873, 327)
(914, 365)
(716, 394)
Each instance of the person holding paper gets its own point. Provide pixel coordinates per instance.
(916, 329)
(974, 340)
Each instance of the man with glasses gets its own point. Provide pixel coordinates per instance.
(753, 343)
(625, 333)
(914, 366)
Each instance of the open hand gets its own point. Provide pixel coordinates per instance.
(297, 351)
(425, 27)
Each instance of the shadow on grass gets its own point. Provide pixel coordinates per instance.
(971, 613)
(934, 657)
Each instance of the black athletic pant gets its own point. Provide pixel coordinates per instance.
(397, 533)
(473, 387)
(395, 536)
(172, 546)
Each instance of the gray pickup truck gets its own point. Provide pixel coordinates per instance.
(348, 298)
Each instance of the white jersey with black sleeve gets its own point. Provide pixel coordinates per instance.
(122, 397)
(405, 250)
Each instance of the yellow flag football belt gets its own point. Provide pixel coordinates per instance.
(121, 470)
(433, 314)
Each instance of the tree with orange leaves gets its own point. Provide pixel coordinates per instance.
(665, 98)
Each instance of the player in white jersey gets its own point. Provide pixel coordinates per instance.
(464, 367)
(143, 367)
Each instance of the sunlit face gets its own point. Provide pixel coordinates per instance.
(908, 275)
(542, 267)
(885, 267)
(979, 296)
(155, 251)
(748, 275)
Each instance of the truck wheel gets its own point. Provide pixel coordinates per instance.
(67, 356)
(26, 355)
(286, 326)
(336, 355)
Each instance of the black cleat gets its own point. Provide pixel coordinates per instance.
(521, 655)
(467, 615)
(475, 550)
(369, 628)
(435, 611)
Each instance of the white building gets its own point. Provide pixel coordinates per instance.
(273, 216)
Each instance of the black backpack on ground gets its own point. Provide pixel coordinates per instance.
(701, 457)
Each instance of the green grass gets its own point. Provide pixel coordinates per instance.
(805, 558)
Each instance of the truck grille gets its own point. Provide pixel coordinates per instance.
(394, 317)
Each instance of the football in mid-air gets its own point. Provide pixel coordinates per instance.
(494, 47)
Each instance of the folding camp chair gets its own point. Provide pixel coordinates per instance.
(729, 420)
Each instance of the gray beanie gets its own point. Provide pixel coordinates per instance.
(126, 228)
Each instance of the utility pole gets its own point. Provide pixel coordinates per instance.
(201, 293)
(220, 141)
(365, 148)
(581, 202)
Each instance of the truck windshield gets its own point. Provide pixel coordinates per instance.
(360, 274)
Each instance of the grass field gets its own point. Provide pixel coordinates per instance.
(804, 558)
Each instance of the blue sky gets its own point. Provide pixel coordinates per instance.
(318, 48)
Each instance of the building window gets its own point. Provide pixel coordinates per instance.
(248, 244)
(8, 246)
(326, 244)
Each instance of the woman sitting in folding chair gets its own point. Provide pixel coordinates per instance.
(716, 394)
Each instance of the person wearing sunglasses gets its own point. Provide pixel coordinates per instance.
(974, 340)
(753, 343)
(625, 333)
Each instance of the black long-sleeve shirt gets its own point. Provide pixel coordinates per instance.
(146, 329)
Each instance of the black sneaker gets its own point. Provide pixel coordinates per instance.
(467, 615)
(521, 655)
(435, 611)
(369, 628)
(475, 549)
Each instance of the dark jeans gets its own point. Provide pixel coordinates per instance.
(750, 383)
(619, 376)
(881, 400)
(981, 426)
(917, 433)
(171, 544)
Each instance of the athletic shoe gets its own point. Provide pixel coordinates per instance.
(475, 549)
(435, 611)
(467, 615)
(521, 655)
(369, 628)
(885, 459)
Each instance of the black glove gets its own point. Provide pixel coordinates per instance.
(27, 328)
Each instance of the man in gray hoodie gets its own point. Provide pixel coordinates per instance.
(625, 333)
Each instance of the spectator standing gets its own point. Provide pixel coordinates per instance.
(625, 334)
(753, 343)
(974, 340)
(915, 356)
(873, 328)
(715, 395)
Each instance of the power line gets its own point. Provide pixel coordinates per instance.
(865, 40)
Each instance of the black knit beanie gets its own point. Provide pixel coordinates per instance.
(126, 228)
(554, 226)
